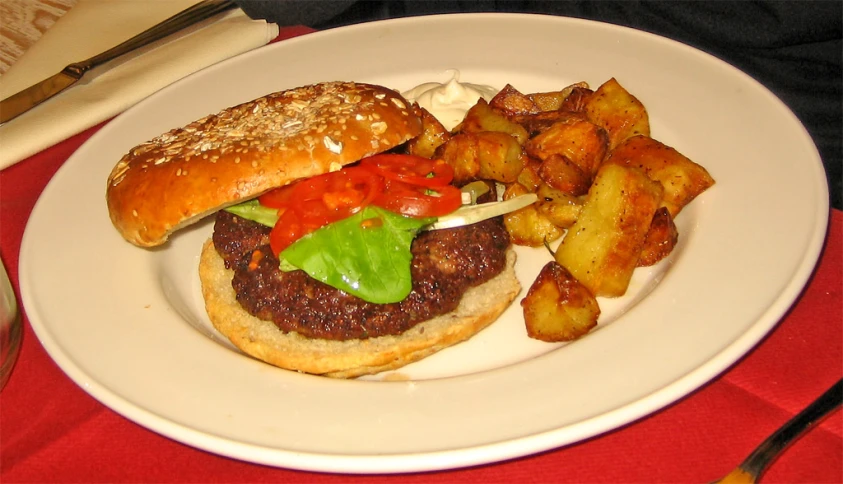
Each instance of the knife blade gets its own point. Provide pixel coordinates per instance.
(34, 95)
(23, 101)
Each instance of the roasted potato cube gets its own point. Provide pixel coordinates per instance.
(433, 134)
(529, 176)
(557, 307)
(513, 101)
(681, 178)
(617, 111)
(486, 155)
(602, 248)
(562, 209)
(461, 153)
(577, 100)
(581, 141)
(540, 122)
(660, 240)
(481, 117)
(526, 226)
(562, 174)
(553, 101)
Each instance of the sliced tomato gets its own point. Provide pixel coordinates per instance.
(287, 230)
(418, 201)
(410, 169)
(405, 184)
(277, 198)
(313, 203)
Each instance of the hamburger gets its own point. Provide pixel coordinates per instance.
(366, 291)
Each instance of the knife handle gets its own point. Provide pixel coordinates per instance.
(185, 18)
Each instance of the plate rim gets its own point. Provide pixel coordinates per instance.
(459, 458)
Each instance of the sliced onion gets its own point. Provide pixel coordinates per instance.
(472, 214)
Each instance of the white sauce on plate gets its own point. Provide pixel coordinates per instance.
(449, 102)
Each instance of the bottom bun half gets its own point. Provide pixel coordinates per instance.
(479, 307)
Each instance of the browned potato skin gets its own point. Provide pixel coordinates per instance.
(560, 208)
(553, 101)
(577, 99)
(512, 101)
(682, 179)
(485, 155)
(660, 240)
(481, 117)
(433, 134)
(617, 111)
(527, 226)
(501, 157)
(557, 307)
(540, 122)
(581, 141)
(529, 176)
(603, 247)
(461, 153)
(562, 174)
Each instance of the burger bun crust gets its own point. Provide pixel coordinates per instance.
(241, 152)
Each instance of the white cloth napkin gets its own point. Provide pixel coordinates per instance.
(93, 26)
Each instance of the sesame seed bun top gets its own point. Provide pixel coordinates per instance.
(241, 152)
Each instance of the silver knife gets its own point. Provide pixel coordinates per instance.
(23, 101)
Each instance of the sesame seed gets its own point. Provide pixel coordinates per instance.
(379, 128)
(333, 146)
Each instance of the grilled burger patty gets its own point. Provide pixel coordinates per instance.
(445, 264)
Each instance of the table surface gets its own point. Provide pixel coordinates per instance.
(23, 23)
(52, 431)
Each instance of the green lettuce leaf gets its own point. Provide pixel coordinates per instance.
(254, 211)
(367, 255)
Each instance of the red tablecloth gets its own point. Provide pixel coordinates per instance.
(52, 431)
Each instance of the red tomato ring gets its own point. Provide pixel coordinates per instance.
(410, 169)
(306, 207)
(278, 197)
(413, 201)
(287, 230)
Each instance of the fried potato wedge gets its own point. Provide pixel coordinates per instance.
(537, 123)
(433, 134)
(681, 178)
(481, 117)
(581, 141)
(562, 209)
(557, 307)
(553, 101)
(485, 155)
(529, 176)
(577, 100)
(564, 175)
(603, 247)
(660, 240)
(526, 226)
(513, 101)
(617, 111)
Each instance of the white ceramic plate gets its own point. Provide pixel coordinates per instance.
(128, 324)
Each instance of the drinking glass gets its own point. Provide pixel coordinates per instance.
(10, 327)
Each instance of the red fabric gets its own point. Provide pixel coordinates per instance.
(52, 431)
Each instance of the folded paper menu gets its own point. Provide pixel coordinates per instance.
(93, 26)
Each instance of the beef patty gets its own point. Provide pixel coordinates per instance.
(445, 264)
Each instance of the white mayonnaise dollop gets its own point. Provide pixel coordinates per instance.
(449, 102)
